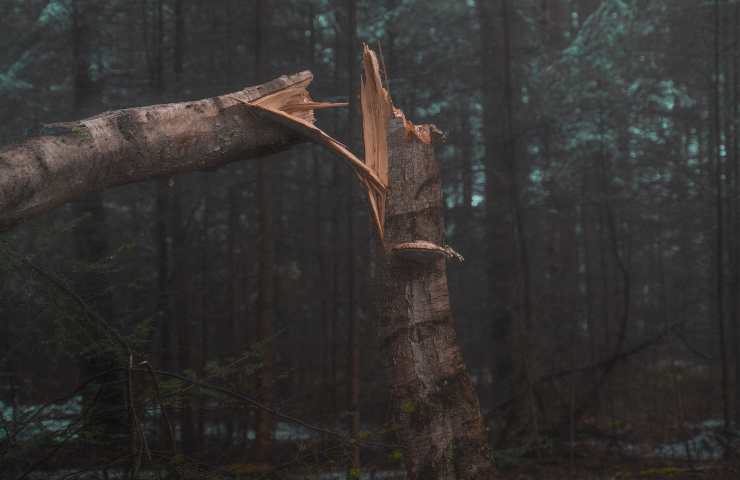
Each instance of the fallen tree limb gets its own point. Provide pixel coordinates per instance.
(604, 366)
(124, 146)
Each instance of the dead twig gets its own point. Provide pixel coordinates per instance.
(162, 409)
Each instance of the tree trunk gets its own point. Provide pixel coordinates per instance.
(130, 145)
(266, 269)
(180, 296)
(205, 296)
(353, 338)
(500, 269)
(179, 41)
(91, 245)
(236, 293)
(436, 407)
(522, 296)
(164, 200)
(719, 236)
(735, 205)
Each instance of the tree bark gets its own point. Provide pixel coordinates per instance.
(353, 337)
(181, 293)
(719, 236)
(735, 207)
(265, 423)
(500, 268)
(124, 146)
(436, 408)
(91, 243)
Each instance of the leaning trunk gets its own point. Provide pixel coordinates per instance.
(124, 146)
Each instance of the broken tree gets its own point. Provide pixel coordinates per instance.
(437, 411)
(70, 159)
(436, 406)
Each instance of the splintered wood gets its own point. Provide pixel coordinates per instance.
(301, 120)
(294, 101)
(377, 110)
(293, 108)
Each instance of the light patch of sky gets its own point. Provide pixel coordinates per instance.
(582, 137)
(649, 134)
(431, 110)
(479, 184)
(451, 197)
(667, 96)
(573, 50)
(323, 20)
(55, 11)
(448, 152)
(634, 87)
(9, 80)
(327, 55)
(25, 60)
(536, 176)
(693, 147)
(669, 103)
(101, 64)
(671, 250)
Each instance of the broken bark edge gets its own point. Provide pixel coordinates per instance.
(423, 251)
(426, 133)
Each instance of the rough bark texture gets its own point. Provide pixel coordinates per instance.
(437, 409)
(125, 146)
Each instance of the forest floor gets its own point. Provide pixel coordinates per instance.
(637, 469)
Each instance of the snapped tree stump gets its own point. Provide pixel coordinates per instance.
(436, 407)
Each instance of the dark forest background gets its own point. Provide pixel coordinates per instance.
(592, 183)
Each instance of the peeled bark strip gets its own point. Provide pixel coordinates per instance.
(312, 133)
(365, 170)
(377, 109)
(70, 159)
(437, 408)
